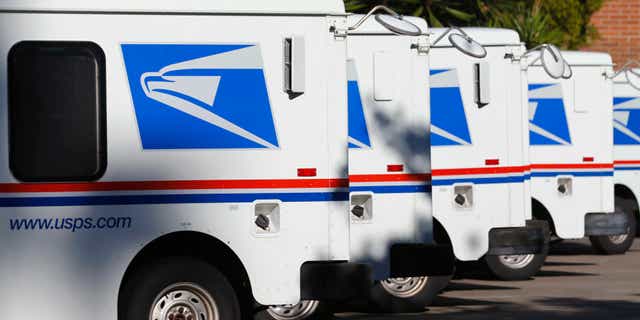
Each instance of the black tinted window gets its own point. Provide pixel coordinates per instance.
(57, 115)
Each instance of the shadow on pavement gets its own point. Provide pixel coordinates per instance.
(461, 286)
(571, 248)
(462, 302)
(547, 309)
(567, 264)
(556, 273)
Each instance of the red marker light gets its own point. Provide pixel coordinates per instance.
(395, 168)
(307, 172)
(492, 162)
(587, 159)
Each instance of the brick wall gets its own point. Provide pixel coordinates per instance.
(618, 23)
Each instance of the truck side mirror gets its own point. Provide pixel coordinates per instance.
(552, 61)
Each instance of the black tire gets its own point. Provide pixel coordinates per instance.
(503, 272)
(322, 312)
(383, 301)
(151, 280)
(611, 245)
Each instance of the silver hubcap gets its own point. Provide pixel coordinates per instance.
(297, 311)
(518, 261)
(404, 287)
(619, 239)
(184, 301)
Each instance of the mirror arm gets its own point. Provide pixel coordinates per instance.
(532, 62)
(449, 31)
(534, 49)
(537, 49)
(615, 74)
(626, 67)
(370, 13)
(527, 53)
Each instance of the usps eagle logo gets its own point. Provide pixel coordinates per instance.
(626, 120)
(358, 131)
(449, 126)
(200, 96)
(547, 116)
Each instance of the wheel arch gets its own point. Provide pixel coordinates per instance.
(196, 245)
(626, 193)
(441, 236)
(540, 212)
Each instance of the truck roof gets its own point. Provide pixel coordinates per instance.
(183, 6)
(485, 36)
(585, 58)
(372, 26)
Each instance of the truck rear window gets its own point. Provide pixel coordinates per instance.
(57, 111)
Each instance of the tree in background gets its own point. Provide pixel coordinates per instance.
(437, 12)
(564, 23)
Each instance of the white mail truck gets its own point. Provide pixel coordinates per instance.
(173, 159)
(571, 152)
(626, 151)
(389, 155)
(479, 150)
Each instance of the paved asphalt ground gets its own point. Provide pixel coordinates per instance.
(575, 283)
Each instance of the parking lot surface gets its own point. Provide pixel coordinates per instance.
(575, 283)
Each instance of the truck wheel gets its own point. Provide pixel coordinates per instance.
(400, 295)
(305, 309)
(516, 267)
(618, 244)
(180, 289)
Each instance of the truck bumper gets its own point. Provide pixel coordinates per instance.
(419, 260)
(605, 224)
(531, 239)
(334, 280)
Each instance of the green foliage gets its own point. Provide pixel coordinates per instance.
(437, 12)
(561, 22)
(534, 24)
(572, 18)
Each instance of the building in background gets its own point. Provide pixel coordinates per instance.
(618, 24)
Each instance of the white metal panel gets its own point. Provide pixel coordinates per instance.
(384, 75)
(581, 102)
(388, 133)
(586, 58)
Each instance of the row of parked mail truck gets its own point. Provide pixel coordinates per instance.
(236, 159)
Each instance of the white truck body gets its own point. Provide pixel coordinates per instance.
(389, 150)
(626, 139)
(571, 141)
(174, 165)
(479, 139)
